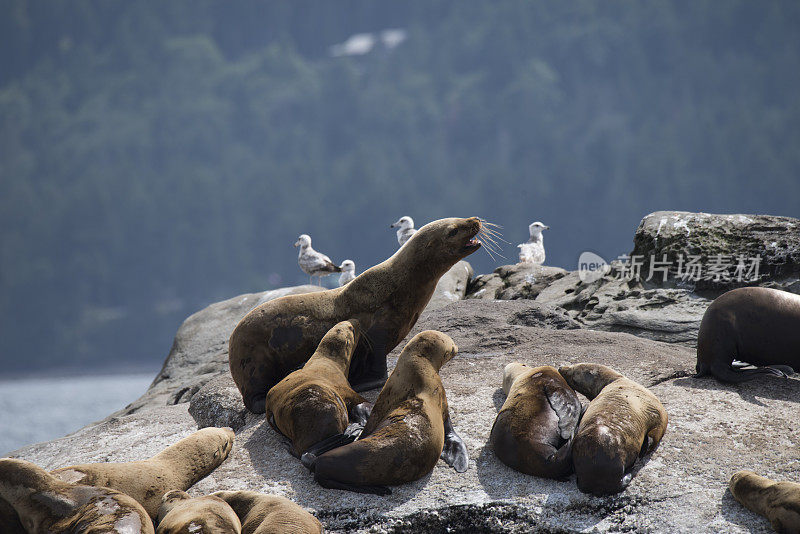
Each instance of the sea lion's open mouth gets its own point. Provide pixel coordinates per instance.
(472, 245)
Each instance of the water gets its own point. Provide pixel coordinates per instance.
(40, 409)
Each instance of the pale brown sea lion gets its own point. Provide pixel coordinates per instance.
(179, 466)
(534, 429)
(269, 514)
(757, 325)
(181, 514)
(46, 504)
(317, 402)
(409, 428)
(623, 421)
(279, 336)
(777, 501)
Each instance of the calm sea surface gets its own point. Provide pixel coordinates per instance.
(41, 409)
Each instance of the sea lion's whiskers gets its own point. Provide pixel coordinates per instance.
(489, 246)
(489, 239)
(484, 221)
(496, 235)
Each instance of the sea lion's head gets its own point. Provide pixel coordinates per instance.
(340, 341)
(511, 372)
(446, 241)
(588, 378)
(432, 345)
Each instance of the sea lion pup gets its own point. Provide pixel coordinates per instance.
(278, 336)
(409, 428)
(46, 504)
(534, 429)
(777, 501)
(757, 325)
(623, 421)
(179, 466)
(317, 402)
(181, 514)
(269, 514)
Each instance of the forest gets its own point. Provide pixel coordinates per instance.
(156, 157)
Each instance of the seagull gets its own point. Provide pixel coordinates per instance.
(348, 272)
(312, 262)
(405, 229)
(533, 250)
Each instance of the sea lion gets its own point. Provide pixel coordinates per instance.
(534, 429)
(181, 514)
(409, 428)
(623, 421)
(757, 325)
(269, 514)
(46, 504)
(179, 466)
(317, 402)
(777, 501)
(278, 336)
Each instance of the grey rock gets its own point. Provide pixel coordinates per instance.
(200, 349)
(452, 286)
(510, 282)
(219, 403)
(714, 430)
(775, 239)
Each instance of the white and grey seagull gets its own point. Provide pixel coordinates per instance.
(314, 263)
(348, 272)
(533, 250)
(405, 229)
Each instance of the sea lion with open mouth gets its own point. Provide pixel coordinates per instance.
(279, 336)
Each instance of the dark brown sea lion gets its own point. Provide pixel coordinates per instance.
(278, 336)
(317, 402)
(46, 504)
(757, 325)
(269, 514)
(777, 501)
(533, 431)
(623, 421)
(409, 428)
(179, 466)
(181, 514)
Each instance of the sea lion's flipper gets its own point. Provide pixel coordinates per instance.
(454, 451)
(334, 484)
(568, 408)
(309, 458)
(726, 373)
(561, 461)
(785, 369)
(360, 413)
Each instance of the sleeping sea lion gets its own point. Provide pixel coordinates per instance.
(46, 504)
(269, 514)
(623, 421)
(179, 466)
(777, 501)
(534, 429)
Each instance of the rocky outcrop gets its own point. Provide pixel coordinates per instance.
(452, 286)
(511, 282)
(723, 238)
(714, 431)
(648, 306)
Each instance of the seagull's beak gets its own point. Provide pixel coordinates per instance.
(546, 227)
(296, 244)
(392, 225)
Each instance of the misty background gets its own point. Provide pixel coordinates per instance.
(156, 157)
